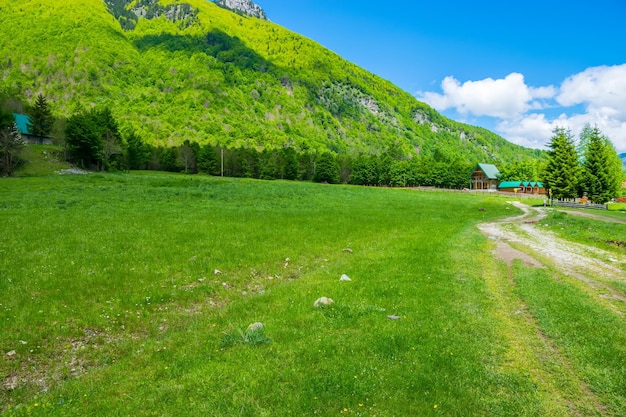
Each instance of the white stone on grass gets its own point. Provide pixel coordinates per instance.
(323, 302)
(344, 277)
(255, 326)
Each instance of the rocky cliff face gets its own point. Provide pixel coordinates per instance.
(243, 6)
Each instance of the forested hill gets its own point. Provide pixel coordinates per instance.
(176, 71)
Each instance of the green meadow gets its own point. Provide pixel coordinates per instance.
(131, 294)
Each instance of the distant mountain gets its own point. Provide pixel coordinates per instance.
(623, 156)
(191, 70)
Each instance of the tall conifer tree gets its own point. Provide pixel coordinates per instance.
(11, 146)
(562, 173)
(41, 119)
(602, 167)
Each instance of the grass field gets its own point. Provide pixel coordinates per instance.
(110, 304)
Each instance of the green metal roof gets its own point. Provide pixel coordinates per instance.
(510, 184)
(23, 122)
(535, 184)
(490, 171)
(514, 184)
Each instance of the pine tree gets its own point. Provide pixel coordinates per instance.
(41, 119)
(562, 173)
(602, 167)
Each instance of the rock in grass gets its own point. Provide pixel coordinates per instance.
(392, 317)
(348, 250)
(255, 327)
(323, 302)
(344, 277)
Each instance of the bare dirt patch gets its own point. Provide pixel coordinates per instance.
(509, 254)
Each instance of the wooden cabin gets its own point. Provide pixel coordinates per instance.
(484, 177)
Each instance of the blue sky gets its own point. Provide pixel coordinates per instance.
(517, 68)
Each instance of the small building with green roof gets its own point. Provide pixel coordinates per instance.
(23, 125)
(526, 187)
(484, 177)
(511, 186)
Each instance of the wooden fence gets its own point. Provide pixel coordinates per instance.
(573, 204)
(494, 193)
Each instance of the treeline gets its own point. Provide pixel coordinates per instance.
(93, 140)
(288, 164)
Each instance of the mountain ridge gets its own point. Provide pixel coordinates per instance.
(194, 71)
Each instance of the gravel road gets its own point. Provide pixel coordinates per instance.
(523, 237)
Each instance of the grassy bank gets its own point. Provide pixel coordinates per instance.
(111, 304)
(606, 235)
(41, 160)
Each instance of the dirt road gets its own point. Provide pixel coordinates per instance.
(523, 237)
(594, 216)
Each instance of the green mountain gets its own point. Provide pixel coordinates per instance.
(176, 71)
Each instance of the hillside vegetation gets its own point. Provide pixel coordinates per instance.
(174, 71)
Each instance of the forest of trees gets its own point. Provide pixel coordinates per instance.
(93, 140)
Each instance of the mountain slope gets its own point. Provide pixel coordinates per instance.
(176, 71)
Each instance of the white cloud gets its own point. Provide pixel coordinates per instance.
(517, 107)
(504, 98)
(530, 131)
(535, 130)
(602, 89)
